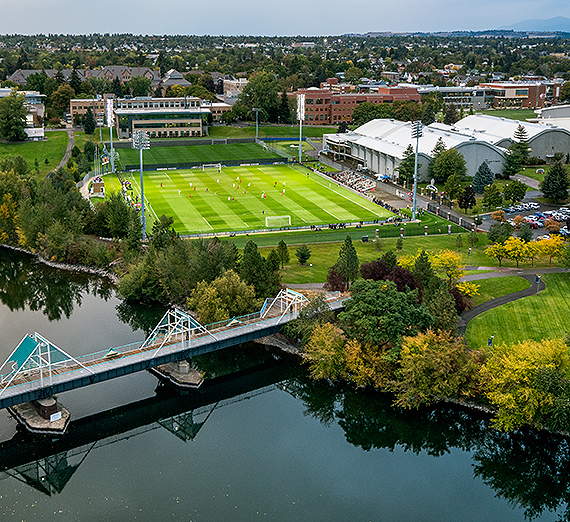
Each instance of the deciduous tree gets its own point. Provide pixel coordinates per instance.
(13, 117)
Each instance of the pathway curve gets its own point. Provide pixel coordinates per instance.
(529, 275)
(70, 145)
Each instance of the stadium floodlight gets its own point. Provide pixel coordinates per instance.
(300, 117)
(417, 133)
(110, 122)
(256, 110)
(141, 141)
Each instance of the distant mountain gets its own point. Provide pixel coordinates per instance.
(556, 24)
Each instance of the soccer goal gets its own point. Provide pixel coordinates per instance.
(277, 221)
(220, 141)
(211, 166)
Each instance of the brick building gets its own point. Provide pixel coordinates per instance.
(324, 107)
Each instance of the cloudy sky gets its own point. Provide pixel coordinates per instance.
(267, 17)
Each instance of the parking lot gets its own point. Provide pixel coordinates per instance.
(536, 215)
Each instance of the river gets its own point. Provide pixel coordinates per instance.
(264, 442)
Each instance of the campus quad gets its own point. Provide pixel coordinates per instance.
(249, 197)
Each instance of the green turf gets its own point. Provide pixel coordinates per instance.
(497, 287)
(511, 114)
(53, 149)
(275, 131)
(232, 152)
(537, 317)
(204, 207)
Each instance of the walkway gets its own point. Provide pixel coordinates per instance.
(529, 275)
(70, 145)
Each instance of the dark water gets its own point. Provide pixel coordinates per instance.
(263, 443)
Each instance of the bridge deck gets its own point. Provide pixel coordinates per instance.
(135, 357)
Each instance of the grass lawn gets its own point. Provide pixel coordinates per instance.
(324, 255)
(81, 138)
(275, 131)
(53, 149)
(537, 317)
(291, 146)
(531, 172)
(197, 154)
(511, 114)
(497, 287)
(210, 201)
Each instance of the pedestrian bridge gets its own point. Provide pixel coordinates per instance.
(37, 368)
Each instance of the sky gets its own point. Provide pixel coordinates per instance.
(267, 17)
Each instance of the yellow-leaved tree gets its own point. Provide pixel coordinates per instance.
(449, 263)
(498, 251)
(515, 249)
(553, 247)
(325, 352)
(515, 383)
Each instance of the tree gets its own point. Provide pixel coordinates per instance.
(13, 117)
(261, 92)
(428, 112)
(555, 184)
(451, 115)
(89, 123)
(498, 251)
(520, 143)
(513, 163)
(347, 262)
(459, 242)
(447, 163)
(139, 85)
(325, 352)
(448, 263)
(483, 177)
(317, 312)
(499, 232)
(434, 366)
(336, 282)
(406, 167)
(525, 233)
(342, 127)
(473, 238)
(84, 165)
(283, 253)
(117, 87)
(74, 80)
(225, 297)
(303, 254)
(255, 270)
(467, 199)
(492, 197)
(60, 99)
(403, 110)
(565, 92)
(364, 112)
(452, 186)
(515, 191)
(515, 249)
(438, 149)
(553, 247)
(510, 374)
(378, 315)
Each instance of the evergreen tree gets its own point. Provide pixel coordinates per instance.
(75, 81)
(347, 262)
(520, 144)
(89, 124)
(284, 112)
(83, 165)
(435, 153)
(342, 127)
(390, 259)
(423, 271)
(117, 87)
(451, 114)
(452, 186)
(255, 270)
(492, 197)
(407, 165)
(283, 253)
(483, 177)
(555, 184)
(303, 254)
(13, 117)
(467, 198)
(525, 232)
(513, 163)
(428, 112)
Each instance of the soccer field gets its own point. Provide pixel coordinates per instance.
(244, 152)
(241, 198)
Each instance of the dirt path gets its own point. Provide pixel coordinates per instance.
(70, 145)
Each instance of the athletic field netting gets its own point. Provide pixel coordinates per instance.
(240, 198)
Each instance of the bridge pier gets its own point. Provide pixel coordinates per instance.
(179, 375)
(42, 416)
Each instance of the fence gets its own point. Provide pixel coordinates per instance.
(199, 164)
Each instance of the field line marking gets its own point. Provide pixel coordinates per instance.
(145, 198)
(207, 223)
(343, 196)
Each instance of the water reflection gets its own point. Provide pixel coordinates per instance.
(528, 468)
(24, 283)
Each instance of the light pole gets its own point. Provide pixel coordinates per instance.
(469, 255)
(417, 133)
(311, 265)
(301, 117)
(537, 283)
(141, 141)
(110, 121)
(256, 110)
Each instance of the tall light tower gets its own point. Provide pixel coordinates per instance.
(110, 121)
(300, 117)
(141, 141)
(417, 133)
(256, 110)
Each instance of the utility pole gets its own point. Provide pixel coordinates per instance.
(141, 141)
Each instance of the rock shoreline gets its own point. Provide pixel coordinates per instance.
(99, 272)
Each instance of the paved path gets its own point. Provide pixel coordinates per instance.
(70, 145)
(529, 275)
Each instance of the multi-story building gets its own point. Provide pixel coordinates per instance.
(528, 95)
(475, 98)
(35, 109)
(78, 108)
(324, 107)
(160, 117)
